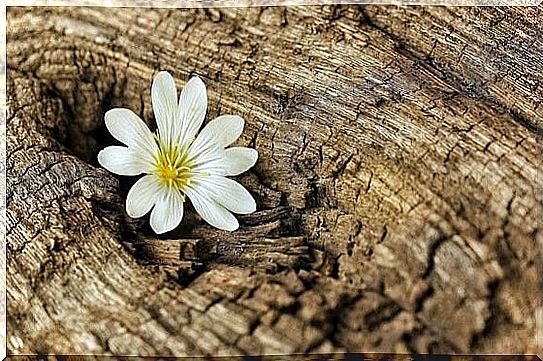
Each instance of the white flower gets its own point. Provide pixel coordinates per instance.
(176, 162)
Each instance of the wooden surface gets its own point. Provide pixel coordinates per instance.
(399, 182)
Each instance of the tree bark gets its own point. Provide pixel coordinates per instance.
(398, 183)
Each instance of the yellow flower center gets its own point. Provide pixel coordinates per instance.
(173, 167)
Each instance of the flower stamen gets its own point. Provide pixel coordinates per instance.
(173, 167)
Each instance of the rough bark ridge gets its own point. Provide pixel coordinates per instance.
(397, 182)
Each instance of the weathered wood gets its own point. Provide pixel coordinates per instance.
(397, 182)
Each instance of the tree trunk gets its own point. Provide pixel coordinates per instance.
(399, 202)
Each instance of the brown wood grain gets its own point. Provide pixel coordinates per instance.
(398, 183)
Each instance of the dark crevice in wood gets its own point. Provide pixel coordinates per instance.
(467, 89)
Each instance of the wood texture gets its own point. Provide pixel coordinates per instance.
(398, 184)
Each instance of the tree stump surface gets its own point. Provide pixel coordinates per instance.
(398, 184)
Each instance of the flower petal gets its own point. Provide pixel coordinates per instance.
(216, 135)
(129, 129)
(168, 211)
(164, 99)
(221, 132)
(143, 195)
(122, 161)
(191, 110)
(227, 193)
(210, 161)
(211, 212)
(238, 159)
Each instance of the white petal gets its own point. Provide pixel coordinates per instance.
(129, 129)
(164, 98)
(227, 193)
(211, 212)
(211, 161)
(238, 160)
(143, 195)
(217, 134)
(168, 212)
(224, 130)
(122, 160)
(192, 109)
